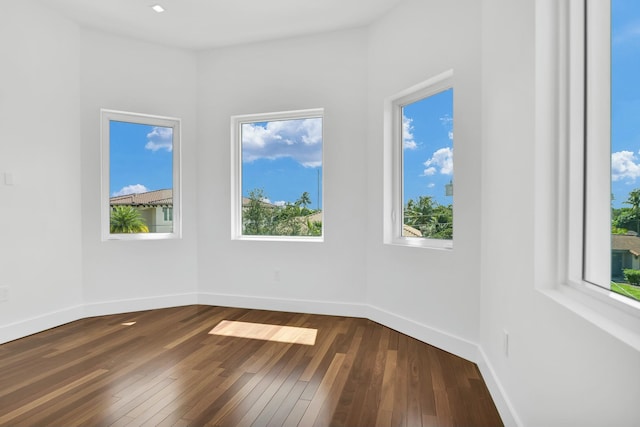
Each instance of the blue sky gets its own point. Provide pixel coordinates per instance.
(427, 133)
(625, 99)
(284, 159)
(141, 158)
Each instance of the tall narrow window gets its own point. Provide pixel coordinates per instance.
(612, 160)
(419, 165)
(140, 176)
(277, 176)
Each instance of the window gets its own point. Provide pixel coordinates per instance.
(419, 184)
(140, 176)
(277, 176)
(612, 135)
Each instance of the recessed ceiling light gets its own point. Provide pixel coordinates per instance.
(157, 8)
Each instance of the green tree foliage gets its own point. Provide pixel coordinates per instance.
(434, 220)
(264, 219)
(304, 200)
(634, 201)
(257, 216)
(632, 276)
(127, 219)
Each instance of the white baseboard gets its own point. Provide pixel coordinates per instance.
(435, 337)
(291, 305)
(438, 338)
(139, 304)
(33, 325)
(505, 408)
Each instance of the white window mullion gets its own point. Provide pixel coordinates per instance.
(597, 226)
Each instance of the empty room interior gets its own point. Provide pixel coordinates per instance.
(497, 301)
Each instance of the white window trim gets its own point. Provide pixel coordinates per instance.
(559, 192)
(106, 116)
(236, 172)
(393, 154)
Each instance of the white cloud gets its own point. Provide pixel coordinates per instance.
(446, 120)
(300, 140)
(429, 171)
(131, 189)
(160, 138)
(624, 166)
(280, 203)
(431, 185)
(407, 134)
(443, 159)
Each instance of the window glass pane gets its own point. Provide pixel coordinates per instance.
(427, 167)
(140, 178)
(625, 147)
(282, 177)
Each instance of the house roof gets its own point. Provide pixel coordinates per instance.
(150, 198)
(625, 242)
(246, 201)
(409, 231)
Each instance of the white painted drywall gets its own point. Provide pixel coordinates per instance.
(436, 288)
(40, 217)
(123, 74)
(326, 71)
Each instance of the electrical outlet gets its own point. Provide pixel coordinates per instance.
(4, 293)
(505, 342)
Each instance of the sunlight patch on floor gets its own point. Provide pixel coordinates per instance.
(261, 331)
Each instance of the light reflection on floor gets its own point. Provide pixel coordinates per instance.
(261, 331)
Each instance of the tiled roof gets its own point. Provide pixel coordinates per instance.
(150, 198)
(625, 242)
(246, 201)
(409, 231)
(314, 217)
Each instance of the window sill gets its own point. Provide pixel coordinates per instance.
(604, 309)
(306, 239)
(446, 245)
(141, 236)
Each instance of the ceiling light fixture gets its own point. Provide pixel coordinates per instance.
(157, 8)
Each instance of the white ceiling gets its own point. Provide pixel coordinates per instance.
(201, 24)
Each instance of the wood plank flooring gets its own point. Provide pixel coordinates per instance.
(167, 370)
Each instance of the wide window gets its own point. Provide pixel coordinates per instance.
(277, 176)
(419, 165)
(140, 176)
(612, 196)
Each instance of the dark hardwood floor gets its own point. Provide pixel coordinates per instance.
(167, 370)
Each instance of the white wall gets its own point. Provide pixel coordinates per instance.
(561, 369)
(40, 217)
(122, 74)
(325, 71)
(436, 291)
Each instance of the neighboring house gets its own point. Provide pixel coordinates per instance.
(155, 207)
(409, 231)
(625, 253)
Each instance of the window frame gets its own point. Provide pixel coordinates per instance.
(236, 171)
(393, 211)
(560, 192)
(107, 116)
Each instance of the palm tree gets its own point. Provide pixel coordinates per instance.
(127, 219)
(634, 201)
(304, 200)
